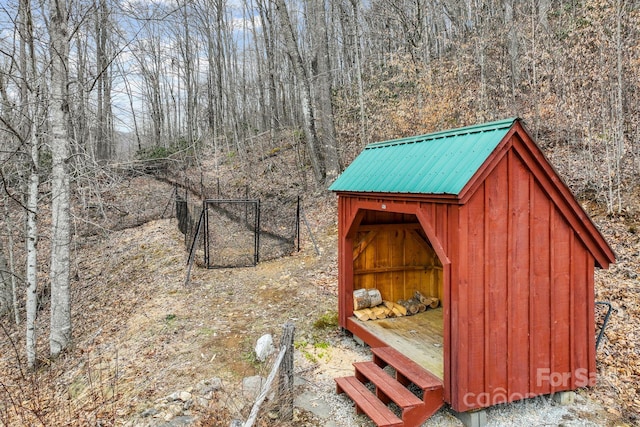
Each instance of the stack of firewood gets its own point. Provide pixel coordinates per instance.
(419, 303)
(369, 305)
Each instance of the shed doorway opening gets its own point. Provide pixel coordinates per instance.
(392, 253)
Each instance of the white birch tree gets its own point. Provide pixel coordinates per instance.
(11, 266)
(32, 251)
(60, 334)
(29, 92)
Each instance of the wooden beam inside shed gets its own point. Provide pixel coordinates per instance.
(398, 268)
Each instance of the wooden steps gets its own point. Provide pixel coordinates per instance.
(387, 389)
(413, 410)
(366, 402)
(407, 371)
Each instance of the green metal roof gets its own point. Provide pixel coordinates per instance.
(437, 163)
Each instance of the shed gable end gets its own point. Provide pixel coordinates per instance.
(526, 276)
(519, 143)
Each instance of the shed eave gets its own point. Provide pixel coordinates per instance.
(443, 197)
(414, 193)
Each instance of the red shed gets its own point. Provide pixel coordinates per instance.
(478, 218)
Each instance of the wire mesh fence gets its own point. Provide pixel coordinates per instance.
(188, 216)
(279, 227)
(224, 233)
(231, 233)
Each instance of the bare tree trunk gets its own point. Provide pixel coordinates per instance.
(324, 91)
(293, 52)
(212, 116)
(261, 110)
(80, 113)
(190, 87)
(29, 110)
(104, 128)
(134, 113)
(148, 58)
(358, 58)
(512, 46)
(32, 250)
(219, 65)
(5, 283)
(619, 106)
(266, 19)
(12, 270)
(60, 334)
(543, 11)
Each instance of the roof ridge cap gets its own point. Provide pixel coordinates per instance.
(466, 130)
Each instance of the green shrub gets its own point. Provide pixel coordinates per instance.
(328, 320)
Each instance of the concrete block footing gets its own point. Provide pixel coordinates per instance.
(472, 418)
(359, 341)
(564, 397)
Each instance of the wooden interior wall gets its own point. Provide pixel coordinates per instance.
(391, 253)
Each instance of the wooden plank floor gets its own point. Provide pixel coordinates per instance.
(419, 337)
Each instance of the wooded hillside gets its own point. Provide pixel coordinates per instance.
(160, 77)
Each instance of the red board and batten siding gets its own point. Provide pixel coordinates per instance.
(521, 294)
(518, 255)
